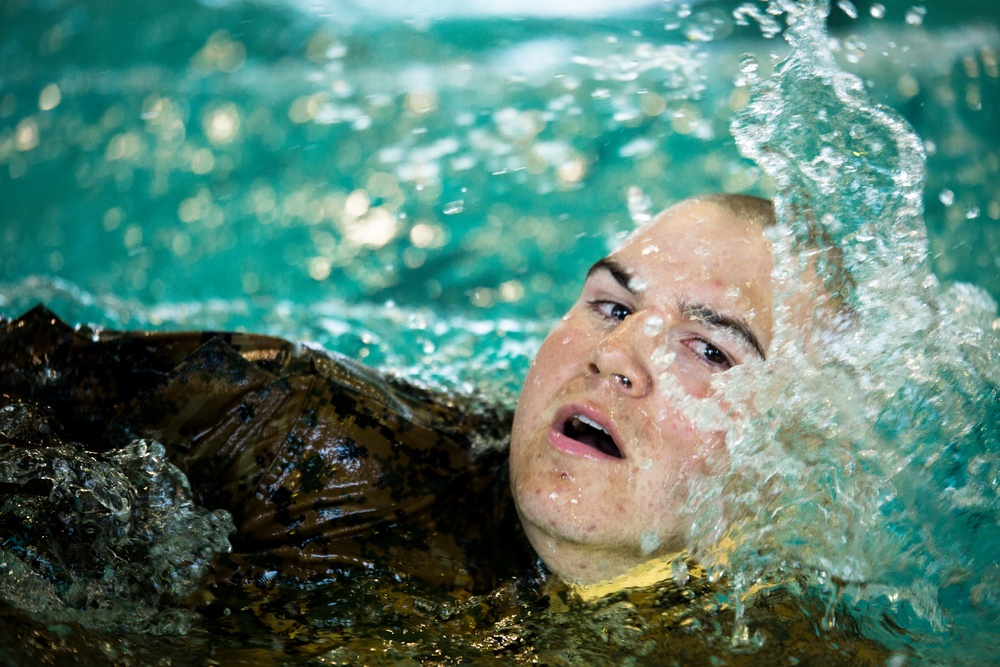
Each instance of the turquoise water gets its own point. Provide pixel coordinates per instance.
(124, 206)
(422, 189)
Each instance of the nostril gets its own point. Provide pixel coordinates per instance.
(593, 369)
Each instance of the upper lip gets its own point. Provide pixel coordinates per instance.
(592, 416)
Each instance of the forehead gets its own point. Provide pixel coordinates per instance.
(696, 234)
(704, 252)
(694, 221)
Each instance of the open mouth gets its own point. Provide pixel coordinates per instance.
(592, 434)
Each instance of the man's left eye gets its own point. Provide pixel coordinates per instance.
(710, 353)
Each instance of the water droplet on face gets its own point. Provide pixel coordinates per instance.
(663, 358)
(637, 284)
(653, 325)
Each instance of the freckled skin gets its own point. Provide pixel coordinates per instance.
(696, 252)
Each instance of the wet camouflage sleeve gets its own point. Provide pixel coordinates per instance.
(315, 458)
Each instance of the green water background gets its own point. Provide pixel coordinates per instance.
(182, 164)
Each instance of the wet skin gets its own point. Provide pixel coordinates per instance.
(601, 452)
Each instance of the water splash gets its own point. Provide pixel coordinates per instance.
(640, 206)
(868, 464)
(111, 542)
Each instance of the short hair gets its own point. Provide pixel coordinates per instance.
(757, 210)
(833, 302)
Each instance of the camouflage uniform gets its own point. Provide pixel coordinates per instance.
(325, 466)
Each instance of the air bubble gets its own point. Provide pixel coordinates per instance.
(915, 15)
(848, 8)
(640, 206)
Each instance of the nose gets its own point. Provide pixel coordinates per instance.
(622, 358)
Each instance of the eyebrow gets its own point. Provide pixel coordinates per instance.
(702, 313)
(617, 272)
(712, 318)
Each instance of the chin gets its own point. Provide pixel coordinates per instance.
(564, 523)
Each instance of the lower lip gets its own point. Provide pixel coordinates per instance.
(564, 443)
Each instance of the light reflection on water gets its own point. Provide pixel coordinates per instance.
(387, 173)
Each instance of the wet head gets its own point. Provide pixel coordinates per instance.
(601, 449)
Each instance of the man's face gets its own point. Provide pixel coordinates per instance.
(600, 449)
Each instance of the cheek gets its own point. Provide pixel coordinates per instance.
(671, 434)
(690, 375)
(550, 370)
(676, 451)
(558, 358)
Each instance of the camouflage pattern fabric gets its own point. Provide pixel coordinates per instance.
(325, 466)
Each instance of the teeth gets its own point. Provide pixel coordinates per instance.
(591, 423)
(592, 434)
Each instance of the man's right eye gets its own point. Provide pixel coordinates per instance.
(612, 311)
